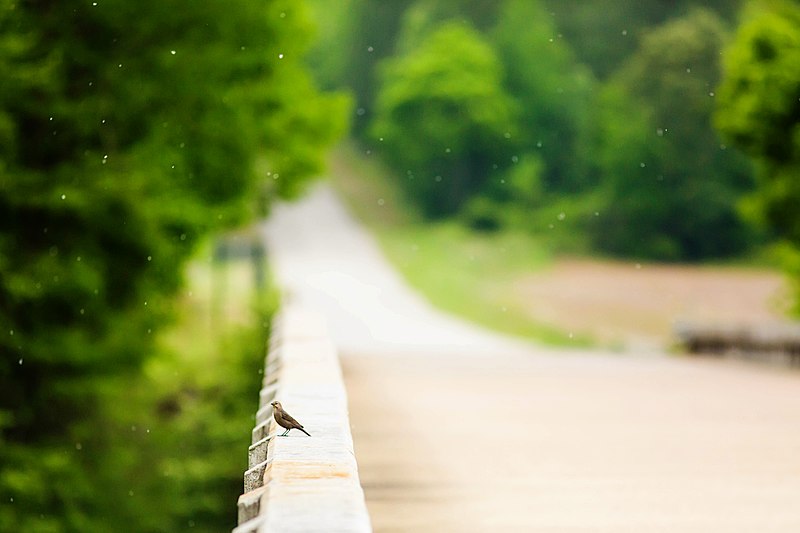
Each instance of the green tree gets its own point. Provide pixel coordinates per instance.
(671, 186)
(128, 130)
(553, 90)
(604, 33)
(759, 107)
(443, 118)
(348, 55)
(759, 111)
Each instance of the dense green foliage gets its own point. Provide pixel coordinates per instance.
(128, 130)
(670, 182)
(552, 89)
(609, 134)
(444, 117)
(759, 107)
(358, 35)
(759, 111)
(603, 33)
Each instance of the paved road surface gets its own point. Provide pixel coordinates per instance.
(458, 429)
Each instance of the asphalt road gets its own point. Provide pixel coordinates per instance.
(459, 429)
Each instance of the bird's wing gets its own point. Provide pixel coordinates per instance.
(288, 418)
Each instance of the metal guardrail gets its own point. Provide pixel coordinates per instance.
(779, 338)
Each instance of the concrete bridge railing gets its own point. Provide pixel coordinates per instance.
(300, 483)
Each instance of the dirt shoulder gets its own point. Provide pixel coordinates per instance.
(636, 305)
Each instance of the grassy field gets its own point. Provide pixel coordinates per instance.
(471, 274)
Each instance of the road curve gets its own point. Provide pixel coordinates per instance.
(459, 429)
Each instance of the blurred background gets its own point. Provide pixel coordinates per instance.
(628, 162)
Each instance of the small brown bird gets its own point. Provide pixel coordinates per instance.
(285, 420)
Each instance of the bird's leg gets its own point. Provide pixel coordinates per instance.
(285, 433)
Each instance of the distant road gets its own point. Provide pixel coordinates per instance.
(325, 259)
(459, 429)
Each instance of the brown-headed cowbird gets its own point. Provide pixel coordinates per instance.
(285, 420)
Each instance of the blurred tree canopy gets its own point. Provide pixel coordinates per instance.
(603, 33)
(759, 111)
(610, 117)
(670, 183)
(444, 117)
(349, 51)
(128, 130)
(553, 91)
(759, 107)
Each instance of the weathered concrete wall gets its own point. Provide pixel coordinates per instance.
(300, 483)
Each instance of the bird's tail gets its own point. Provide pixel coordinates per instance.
(304, 431)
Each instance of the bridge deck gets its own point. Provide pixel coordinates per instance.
(575, 443)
